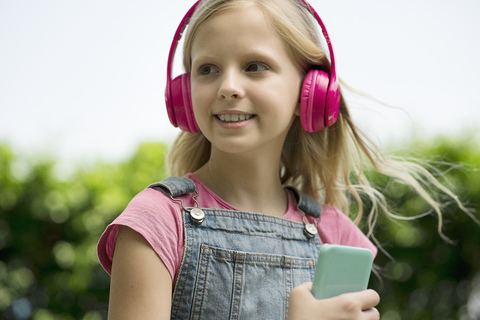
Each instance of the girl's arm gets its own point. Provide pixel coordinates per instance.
(357, 305)
(141, 286)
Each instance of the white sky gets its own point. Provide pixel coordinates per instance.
(85, 79)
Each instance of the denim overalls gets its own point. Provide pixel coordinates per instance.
(240, 265)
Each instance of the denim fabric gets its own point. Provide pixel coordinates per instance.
(175, 186)
(240, 265)
(306, 204)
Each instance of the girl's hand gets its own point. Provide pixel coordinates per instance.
(357, 305)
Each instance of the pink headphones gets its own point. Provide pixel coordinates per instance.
(319, 100)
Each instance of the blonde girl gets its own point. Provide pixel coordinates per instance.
(255, 191)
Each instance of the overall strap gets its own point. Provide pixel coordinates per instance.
(179, 186)
(305, 203)
(174, 186)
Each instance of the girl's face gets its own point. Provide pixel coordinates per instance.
(245, 87)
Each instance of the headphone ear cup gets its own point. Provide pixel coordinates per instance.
(181, 104)
(332, 107)
(313, 100)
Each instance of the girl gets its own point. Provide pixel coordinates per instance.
(261, 175)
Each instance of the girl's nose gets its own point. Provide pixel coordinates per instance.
(230, 87)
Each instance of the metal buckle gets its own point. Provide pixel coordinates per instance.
(196, 214)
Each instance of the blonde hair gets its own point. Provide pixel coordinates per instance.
(321, 164)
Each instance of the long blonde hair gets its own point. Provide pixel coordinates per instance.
(321, 164)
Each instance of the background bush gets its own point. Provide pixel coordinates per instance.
(49, 228)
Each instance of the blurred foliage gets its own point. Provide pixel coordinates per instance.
(427, 277)
(49, 228)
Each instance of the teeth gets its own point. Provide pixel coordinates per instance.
(234, 117)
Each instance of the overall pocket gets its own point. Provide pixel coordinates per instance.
(242, 285)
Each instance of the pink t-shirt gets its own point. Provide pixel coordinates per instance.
(159, 220)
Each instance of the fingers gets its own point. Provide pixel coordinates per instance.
(306, 286)
(303, 291)
(362, 305)
(371, 314)
(370, 299)
(360, 301)
(356, 305)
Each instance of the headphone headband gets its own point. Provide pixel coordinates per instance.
(171, 54)
(181, 115)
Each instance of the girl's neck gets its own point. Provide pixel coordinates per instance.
(249, 183)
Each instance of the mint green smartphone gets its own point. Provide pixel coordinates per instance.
(341, 269)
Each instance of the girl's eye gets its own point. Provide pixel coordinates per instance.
(256, 67)
(206, 70)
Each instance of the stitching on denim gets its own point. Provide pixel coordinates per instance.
(183, 272)
(238, 272)
(313, 241)
(258, 217)
(200, 286)
(252, 258)
(288, 288)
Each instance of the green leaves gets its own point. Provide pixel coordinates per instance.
(50, 225)
(429, 278)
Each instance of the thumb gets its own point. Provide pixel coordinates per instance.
(306, 286)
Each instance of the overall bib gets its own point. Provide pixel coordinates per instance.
(240, 265)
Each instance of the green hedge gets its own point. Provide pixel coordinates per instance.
(49, 227)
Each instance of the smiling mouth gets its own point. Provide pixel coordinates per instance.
(234, 117)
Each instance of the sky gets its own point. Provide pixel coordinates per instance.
(85, 79)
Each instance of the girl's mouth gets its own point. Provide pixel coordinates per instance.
(234, 117)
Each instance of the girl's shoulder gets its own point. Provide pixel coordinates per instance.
(150, 199)
(157, 218)
(333, 213)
